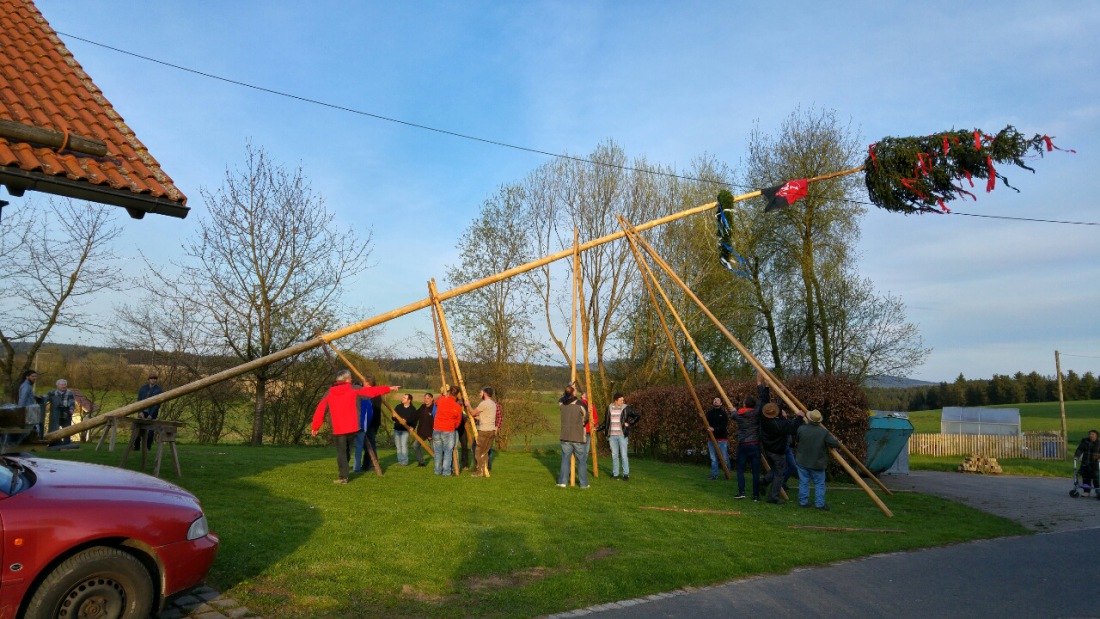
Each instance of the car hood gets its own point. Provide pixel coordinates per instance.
(75, 480)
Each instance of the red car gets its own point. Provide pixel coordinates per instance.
(84, 540)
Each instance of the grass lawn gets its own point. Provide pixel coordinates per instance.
(411, 544)
(1011, 466)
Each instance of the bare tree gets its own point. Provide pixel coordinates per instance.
(265, 267)
(56, 261)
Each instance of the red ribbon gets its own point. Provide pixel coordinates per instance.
(943, 207)
(1051, 146)
(968, 178)
(992, 182)
(924, 162)
(945, 147)
(871, 151)
(911, 185)
(977, 140)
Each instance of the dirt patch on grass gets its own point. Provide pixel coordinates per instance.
(412, 592)
(518, 578)
(602, 553)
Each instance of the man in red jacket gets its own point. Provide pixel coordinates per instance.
(342, 403)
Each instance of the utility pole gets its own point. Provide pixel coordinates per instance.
(1061, 401)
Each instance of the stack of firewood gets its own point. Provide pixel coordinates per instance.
(978, 464)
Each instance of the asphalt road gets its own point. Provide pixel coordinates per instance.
(1051, 574)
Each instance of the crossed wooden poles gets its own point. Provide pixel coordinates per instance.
(438, 297)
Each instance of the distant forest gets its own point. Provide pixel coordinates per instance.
(423, 373)
(1001, 389)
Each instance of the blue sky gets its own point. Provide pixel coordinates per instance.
(668, 81)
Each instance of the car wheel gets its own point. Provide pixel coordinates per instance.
(99, 582)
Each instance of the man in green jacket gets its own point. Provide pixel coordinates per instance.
(811, 459)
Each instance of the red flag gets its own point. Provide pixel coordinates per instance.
(784, 195)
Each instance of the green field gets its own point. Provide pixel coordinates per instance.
(1081, 416)
(411, 544)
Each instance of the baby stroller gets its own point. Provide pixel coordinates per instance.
(1082, 480)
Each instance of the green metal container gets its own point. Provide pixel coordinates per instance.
(886, 439)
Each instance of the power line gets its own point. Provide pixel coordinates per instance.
(343, 108)
(466, 136)
(1066, 354)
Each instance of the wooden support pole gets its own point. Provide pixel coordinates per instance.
(362, 325)
(648, 273)
(393, 413)
(691, 511)
(777, 386)
(573, 335)
(471, 429)
(1061, 402)
(588, 376)
(642, 268)
(844, 529)
(438, 349)
(18, 132)
(862, 484)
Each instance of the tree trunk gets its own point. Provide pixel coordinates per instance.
(769, 326)
(258, 412)
(828, 363)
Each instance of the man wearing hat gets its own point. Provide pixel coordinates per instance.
(814, 442)
(148, 390)
(774, 432)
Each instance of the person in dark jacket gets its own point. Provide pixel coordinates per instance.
(341, 403)
(370, 431)
(61, 402)
(149, 389)
(814, 443)
(748, 439)
(718, 421)
(407, 412)
(573, 439)
(775, 432)
(618, 421)
(1088, 460)
(425, 418)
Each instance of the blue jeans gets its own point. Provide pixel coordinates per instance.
(444, 445)
(805, 475)
(724, 447)
(401, 441)
(360, 440)
(791, 466)
(619, 452)
(580, 450)
(748, 454)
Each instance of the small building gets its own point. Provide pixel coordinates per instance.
(976, 420)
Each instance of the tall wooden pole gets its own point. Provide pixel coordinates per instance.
(647, 273)
(573, 333)
(588, 374)
(1062, 404)
(302, 347)
(438, 348)
(471, 429)
(767, 375)
(675, 351)
(393, 413)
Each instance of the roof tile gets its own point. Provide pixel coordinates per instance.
(43, 85)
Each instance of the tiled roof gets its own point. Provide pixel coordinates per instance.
(42, 85)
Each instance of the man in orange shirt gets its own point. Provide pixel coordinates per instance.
(342, 404)
(448, 416)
